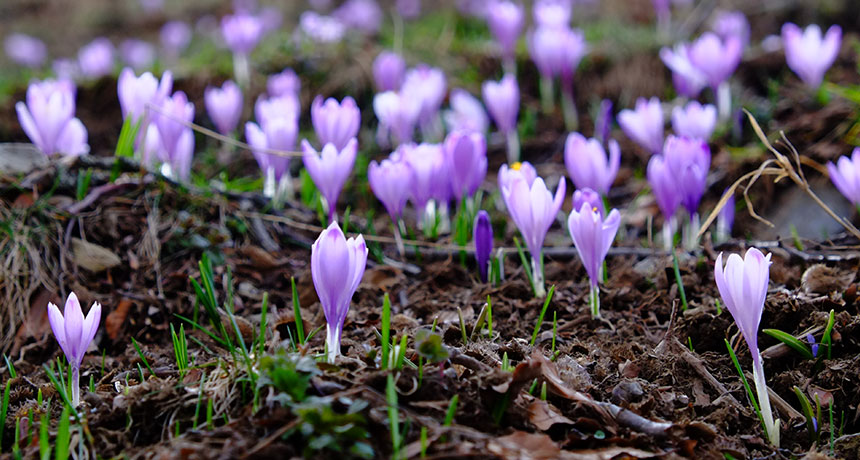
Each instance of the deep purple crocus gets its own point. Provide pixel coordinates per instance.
(587, 163)
(74, 333)
(505, 19)
(845, 175)
(743, 288)
(25, 50)
(716, 58)
(688, 80)
(388, 71)
(694, 120)
(502, 99)
(177, 139)
(483, 239)
(587, 196)
(644, 124)
(390, 180)
(335, 123)
(466, 114)
(224, 106)
(285, 83)
(48, 118)
(808, 54)
(96, 58)
(593, 235)
(329, 169)
(466, 158)
(337, 266)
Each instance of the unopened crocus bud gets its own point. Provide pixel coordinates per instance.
(587, 196)
(694, 120)
(663, 185)
(593, 235)
(337, 266)
(428, 164)
(716, 58)
(74, 333)
(845, 175)
(329, 169)
(483, 238)
(552, 13)
(48, 118)
(390, 180)
(587, 163)
(428, 86)
(388, 71)
(466, 158)
(688, 160)
(547, 49)
(137, 93)
(241, 32)
(603, 122)
(273, 133)
(96, 58)
(689, 81)
(177, 139)
(175, 37)
(286, 83)
(743, 288)
(335, 123)
(224, 106)
(25, 50)
(505, 19)
(808, 54)
(397, 114)
(644, 124)
(467, 113)
(502, 99)
(137, 53)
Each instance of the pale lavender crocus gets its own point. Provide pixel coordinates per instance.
(388, 71)
(428, 87)
(644, 124)
(482, 236)
(808, 54)
(390, 180)
(137, 53)
(285, 83)
(689, 160)
(502, 99)
(428, 167)
(364, 16)
(335, 123)
(533, 209)
(48, 118)
(552, 13)
(74, 333)
(505, 20)
(224, 106)
(96, 59)
(397, 114)
(519, 169)
(329, 169)
(175, 36)
(732, 24)
(25, 50)
(466, 159)
(694, 120)
(589, 197)
(743, 288)
(715, 57)
(177, 139)
(845, 175)
(587, 163)
(688, 80)
(320, 28)
(277, 130)
(137, 93)
(241, 33)
(593, 235)
(666, 194)
(466, 114)
(337, 266)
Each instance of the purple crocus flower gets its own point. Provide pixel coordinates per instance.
(335, 123)
(466, 114)
(177, 139)
(241, 32)
(644, 124)
(96, 58)
(273, 133)
(587, 196)
(689, 81)
(25, 50)
(137, 53)
(74, 333)
(502, 99)
(505, 19)
(286, 83)
(48, 118)
(845, 175)
(732, 24)
(743, 287)
(277, 107)
(427, 85)
(321, 28)
(575, 48)
(136, 92)
(725, 219)
(65, 69)
(547, 47)
(390, 180)
(587, 164)
(552, 13)
(466, 159)
(429, 174)
(329, 170)
(361, 15)
(533, 209)
(688, 160)
(518, 169)
(483, 238)
(603, 122)
(808, 54)
(388, 71)
(716, 58)
(663, 185)
(337, 265)
(397, 113)
(695, 120)
(224, 106)
(593, 235)
(175, 36)
(408, 9)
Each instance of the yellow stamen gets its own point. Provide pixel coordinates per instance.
(516, 166)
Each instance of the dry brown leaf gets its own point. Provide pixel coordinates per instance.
(93, 257)
(544, 415)
(524, 446)
(116, 318)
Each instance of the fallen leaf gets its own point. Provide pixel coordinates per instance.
(116, 318)
(93, 257)
(544, 415)
(524, 446)
(259, 257)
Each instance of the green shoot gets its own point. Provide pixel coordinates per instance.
(199, 398)
(526, 265)
(401, 353)
(83, 186)
(261, 336)
(719, 307)
(746, 383)
(44, 438)
(490, 317)
(346, 221)
(462, 326)
(452, 409)
(142, 358)
(60, 386)
(806, 409)
(423, 438)
(127, 135)
(4, 408)
(796, 238)
(180, 349)
(386, 330)
(554, 331)
(10, 367)
(542, 313)
(393, 416)
(543, 391)
(210, 409)
(297, 313)
(678, 280)
(828, 332)
(790, 341)
(62, 443)
(690, 344)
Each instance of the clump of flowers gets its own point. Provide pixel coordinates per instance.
(74, 333)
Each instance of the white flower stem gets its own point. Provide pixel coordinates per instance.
(76, 385)
(513, 146)
(332, 341)
(568, 106)
(594, 301)
(509, 65)
(691, 229)
(771, 425)
(537, 277)
(724, 100)
(241, 69)
(399, 240)
(668, 233)
(546, 94)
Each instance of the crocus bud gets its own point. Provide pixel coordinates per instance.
(732, 24)
(428, 164)
(96, 58)
(397, 113)
(466, 158)
(716, 58)
(286, 83)
(694, 120)
(688, 160)
(467, 113)
(552, 13)
(25, 50)
(603, 122)
(136, 92)
(137, 53)
(663, 185)
(388, 71)
(502, 99)
(175, 36)
(505, 19)
(483, 238)
(428, 86)
(689, 81)
(587, 196)
(224, 106)
(644, 124)
(277, 133)
(74, 333)
(335, 123)
(593, 236)
(743, 288)
(329, 169)
(177, 139)
(808, 54)
(547, 49)
(587, 164)
(845, 175)
(519, 169)
(241, 32)
(390, 181)
(575, 48)
(48, 118)
(337, 265)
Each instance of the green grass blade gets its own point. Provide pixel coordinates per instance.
(542, 313)
(790, 341)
